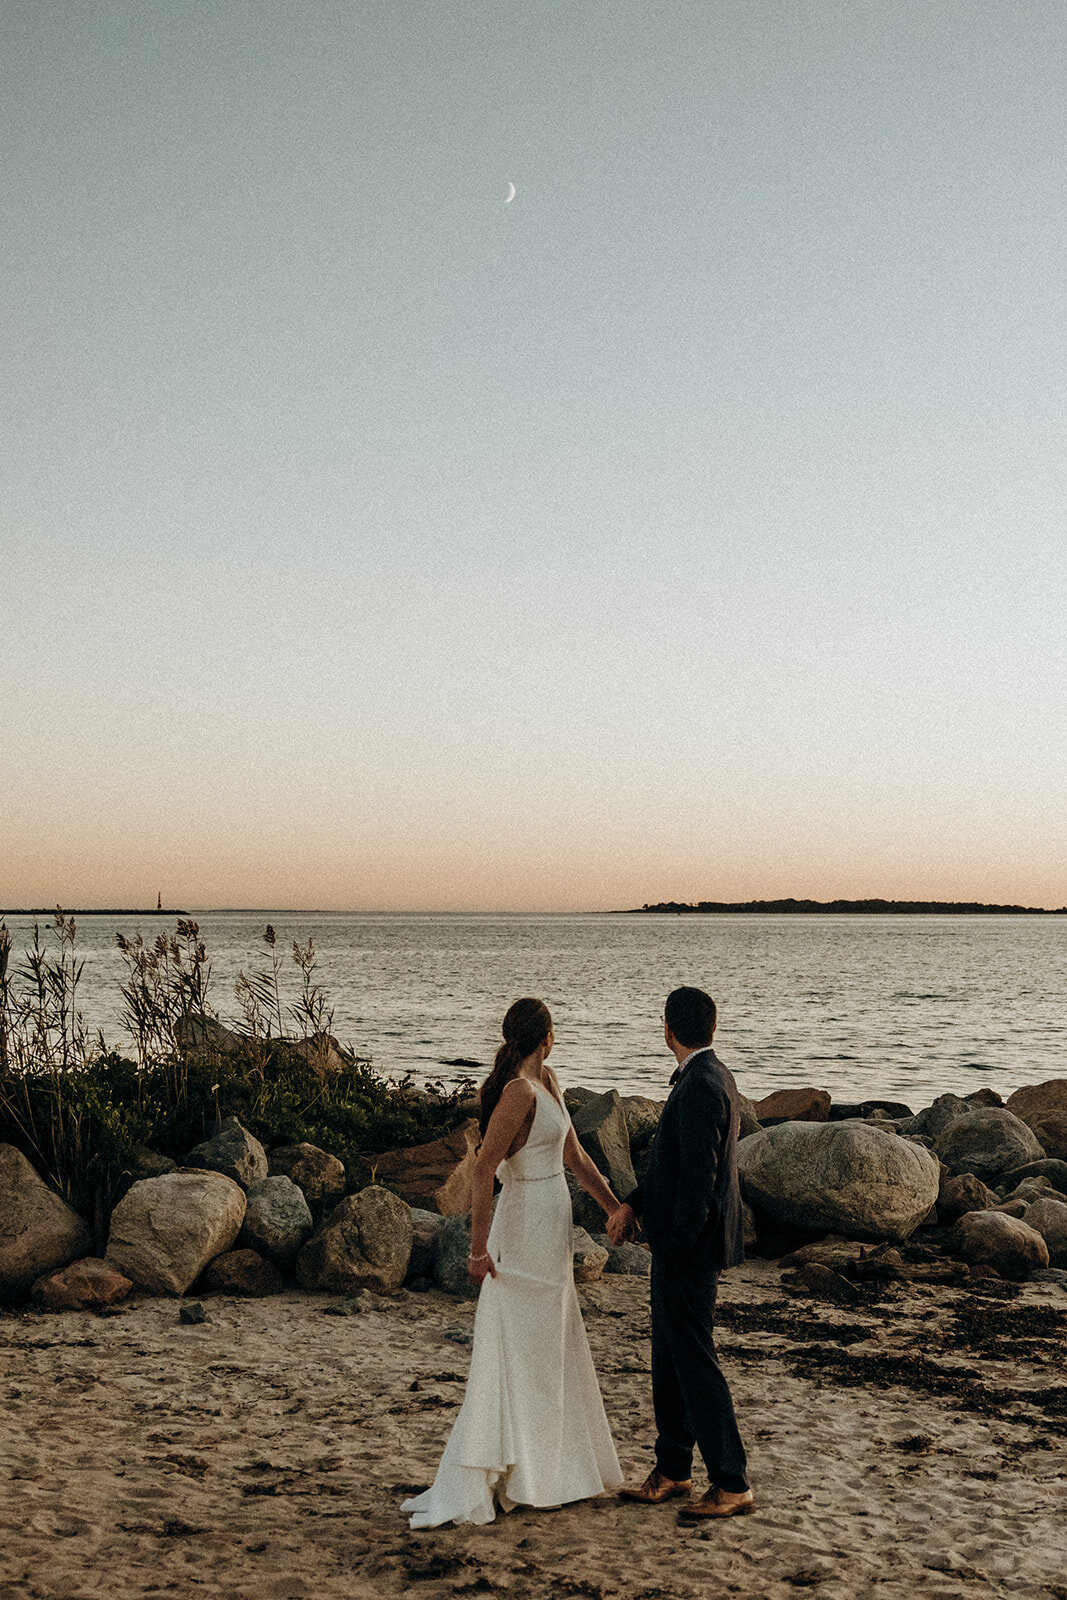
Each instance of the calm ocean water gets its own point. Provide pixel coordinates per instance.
(896, 1007)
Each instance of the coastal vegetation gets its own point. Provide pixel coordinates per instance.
(84, 1111)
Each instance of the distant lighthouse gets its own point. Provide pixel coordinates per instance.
(159, 901)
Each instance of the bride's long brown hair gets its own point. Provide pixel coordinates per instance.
(527, 1024)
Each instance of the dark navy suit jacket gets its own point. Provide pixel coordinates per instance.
(689, 1202)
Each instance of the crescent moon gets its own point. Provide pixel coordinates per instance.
(511, 196)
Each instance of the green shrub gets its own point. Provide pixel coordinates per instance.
(80, 1111)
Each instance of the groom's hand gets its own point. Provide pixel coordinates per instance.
(621, 1224)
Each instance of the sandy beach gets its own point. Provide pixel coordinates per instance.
(914, 1443)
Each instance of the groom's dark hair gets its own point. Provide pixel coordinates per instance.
(690, 1015)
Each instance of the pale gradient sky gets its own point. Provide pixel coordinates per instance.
(692, 527)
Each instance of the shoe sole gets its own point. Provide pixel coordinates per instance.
(692, 1515)
(637, 1498)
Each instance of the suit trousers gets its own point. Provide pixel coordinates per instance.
(690, 1395)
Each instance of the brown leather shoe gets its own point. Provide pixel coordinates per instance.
(657, 1487)
(718, 1503)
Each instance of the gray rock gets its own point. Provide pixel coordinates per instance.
(749, 1226)
(848, 1178)
(579, 1096)
(813, 1280)
(1043, 1107)
(192, 1314)
(1049, 1218)
(150, 1164)
(207, 1036)
(601, 1128)
(642, 1119)
(450, 1260)
(960, 1194)
(38, 1230)
(352, 1305)
(589, 1258)
(750, 1122)
(277, 1220)
(986, 1142)
(1056, 1275)
(320, 1176)
(365, 1243)
(165, 1230)
(1007, 1244)
(1029, 1190)
(628, 1260)
(843, 1111)
(426, 1225)
(931, 1122)
(234, 1152)
(1054, 1171)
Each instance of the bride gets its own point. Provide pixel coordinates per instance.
(532, 1429)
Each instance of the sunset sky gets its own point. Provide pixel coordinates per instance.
(693, 526)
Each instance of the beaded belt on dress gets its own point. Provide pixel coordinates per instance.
(541, 1179)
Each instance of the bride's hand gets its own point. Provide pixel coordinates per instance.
(480, 1266)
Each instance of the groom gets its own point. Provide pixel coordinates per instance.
(690, 1208)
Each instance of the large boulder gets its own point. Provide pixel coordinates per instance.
(84, 1284)
(601, 1128)
(1007, 1244)
(320, 1052)
(208, 1036)
(1048, 1217)
(165, 1230)
(244, 1272)
(579, 1096)
(435, 1176)
(38, 1230)
(984, 1097)
(932, 1121)
(642, 1119)
(277, 1220)
(749, 1122)
(450, 1257)
(1043, 1107)
(233, 1151)
(365, 1243)
(426, 1225)
(320, 1177)
(793, 1105)
(841, 1177)
(987, 1142)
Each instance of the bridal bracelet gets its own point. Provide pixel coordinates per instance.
(485, 1256)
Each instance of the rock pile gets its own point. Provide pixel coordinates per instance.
(972, 1186)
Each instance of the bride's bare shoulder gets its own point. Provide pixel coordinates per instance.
(517, 1091)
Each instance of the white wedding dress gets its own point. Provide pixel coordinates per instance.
(532, 1429)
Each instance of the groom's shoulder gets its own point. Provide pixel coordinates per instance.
(714, 1078)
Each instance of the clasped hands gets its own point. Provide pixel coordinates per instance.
(621, 1224)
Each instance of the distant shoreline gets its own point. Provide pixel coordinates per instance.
(897, 908)
(93, 911)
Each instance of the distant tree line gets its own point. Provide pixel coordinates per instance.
(876, 907)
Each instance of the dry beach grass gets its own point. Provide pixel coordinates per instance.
(915, 1443)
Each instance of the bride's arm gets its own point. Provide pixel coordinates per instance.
(510, 1113)
(588, 1173)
